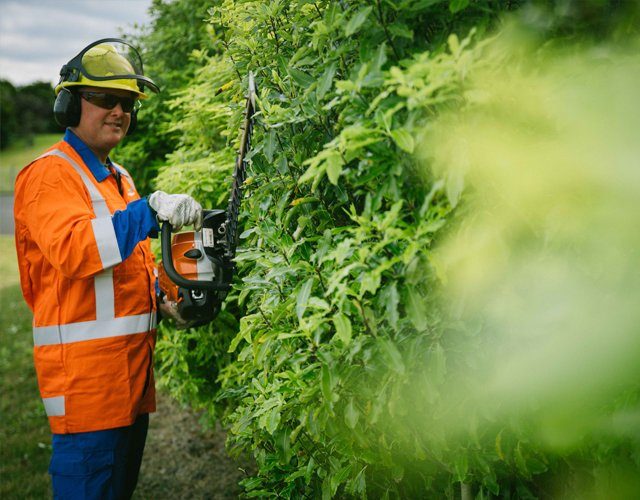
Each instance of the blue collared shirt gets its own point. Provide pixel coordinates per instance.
(98, 169)
(132, 225)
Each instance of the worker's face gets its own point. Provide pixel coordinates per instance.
(102, 129)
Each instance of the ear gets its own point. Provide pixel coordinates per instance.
(66, 109)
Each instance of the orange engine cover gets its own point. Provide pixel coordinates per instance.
(195, 266)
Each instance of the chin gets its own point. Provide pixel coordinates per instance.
(115, 137)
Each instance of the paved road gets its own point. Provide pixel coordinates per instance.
(6, 213)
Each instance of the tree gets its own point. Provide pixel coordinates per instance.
(167, 47)
(7, 113)
(26, 110)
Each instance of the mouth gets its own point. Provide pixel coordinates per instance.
(114, 124)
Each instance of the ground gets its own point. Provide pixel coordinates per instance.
(182, 460)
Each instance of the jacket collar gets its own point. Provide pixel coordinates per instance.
(98, 169)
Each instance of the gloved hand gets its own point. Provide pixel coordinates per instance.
(169, 309)
(178, 209)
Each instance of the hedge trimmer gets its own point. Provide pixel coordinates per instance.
(197, 267)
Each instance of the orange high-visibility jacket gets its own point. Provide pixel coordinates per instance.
(93, 314)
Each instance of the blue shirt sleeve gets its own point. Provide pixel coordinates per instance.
(133, 225)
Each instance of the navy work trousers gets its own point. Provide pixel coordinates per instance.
(100, 464)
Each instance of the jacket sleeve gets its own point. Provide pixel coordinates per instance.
(133, 225)
(58, 213)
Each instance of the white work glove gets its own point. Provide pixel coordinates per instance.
(178, 209)
(169, 309)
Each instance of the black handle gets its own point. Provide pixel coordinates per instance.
(177, 278)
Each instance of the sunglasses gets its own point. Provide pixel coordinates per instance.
(109, 101)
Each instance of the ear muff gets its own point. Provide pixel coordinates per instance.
(134, 122)
(66, 109)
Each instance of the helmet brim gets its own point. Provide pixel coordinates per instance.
(105, 84)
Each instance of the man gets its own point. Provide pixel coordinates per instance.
(88, 275)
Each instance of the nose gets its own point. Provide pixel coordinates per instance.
(117, 109)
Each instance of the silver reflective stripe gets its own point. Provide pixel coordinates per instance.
(154, 321)
(106, 324)
(105, 296)
(107, 242)
(104, 233)
(99, 204)
(54, 406)
(92, 330)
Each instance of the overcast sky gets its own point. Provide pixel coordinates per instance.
(38, 36)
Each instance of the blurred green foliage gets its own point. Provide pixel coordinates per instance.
(25, 111)
(544, 261)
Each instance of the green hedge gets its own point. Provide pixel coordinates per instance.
(336, 356)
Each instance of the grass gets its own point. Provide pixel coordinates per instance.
(25, 439)
(20, 154)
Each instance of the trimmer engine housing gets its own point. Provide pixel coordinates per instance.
(199, 275)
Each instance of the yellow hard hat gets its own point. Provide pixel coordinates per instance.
(110, 63)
